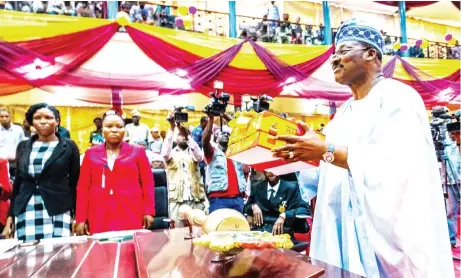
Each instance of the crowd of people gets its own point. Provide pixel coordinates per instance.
(376, 213)
(71, 8)
(53, 190)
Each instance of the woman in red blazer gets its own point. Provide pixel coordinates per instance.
(115, 190)
(5, 192)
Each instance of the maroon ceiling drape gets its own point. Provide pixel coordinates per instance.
(55, 62)
(415, 4)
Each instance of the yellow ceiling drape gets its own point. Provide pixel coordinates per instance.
(19, 26)
(206, 46)
(437, 68)
(41, 26)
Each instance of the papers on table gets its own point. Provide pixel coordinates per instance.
(117, 236)
(64, 240)
(8, 244)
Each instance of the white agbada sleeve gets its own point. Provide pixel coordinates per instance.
(308, 181)
(396, 192)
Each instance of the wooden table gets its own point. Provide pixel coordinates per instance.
(83, 259)
(159, 254)
(167, 254)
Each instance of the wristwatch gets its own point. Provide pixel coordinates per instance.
(329, 156)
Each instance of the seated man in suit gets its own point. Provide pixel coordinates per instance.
(274, 204)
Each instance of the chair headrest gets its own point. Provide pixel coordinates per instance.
(160, 178)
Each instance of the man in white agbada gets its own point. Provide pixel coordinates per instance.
(380, 209)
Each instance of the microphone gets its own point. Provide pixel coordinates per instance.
(190, 107)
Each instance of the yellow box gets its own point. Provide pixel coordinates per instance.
(266, 122)
(252, 145)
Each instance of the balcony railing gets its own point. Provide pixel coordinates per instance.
(217, 24)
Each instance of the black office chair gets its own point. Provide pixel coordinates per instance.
(300, 226)
(161, 219)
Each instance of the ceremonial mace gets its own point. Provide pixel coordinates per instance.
(218, 221)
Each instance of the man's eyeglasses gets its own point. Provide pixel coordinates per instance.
(343, 52)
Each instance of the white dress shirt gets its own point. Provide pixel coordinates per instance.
(275, 188)
(135, 133)
(9, 140)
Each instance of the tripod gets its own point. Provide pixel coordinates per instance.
(447, 168)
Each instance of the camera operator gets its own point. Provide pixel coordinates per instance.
(182, 163)
(453, 172)
(226, 180)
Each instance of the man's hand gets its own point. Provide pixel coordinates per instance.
(257, 215)
(277, 229)
(226, 117)
(183, 131)
(210, 116)
(147, 221)
(170, 119)
(82, 229)
(301, 148)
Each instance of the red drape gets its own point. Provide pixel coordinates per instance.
(415, 4)
(46, 61)
(433, 91)
(55, 62)
(236, 80)
(408, 4)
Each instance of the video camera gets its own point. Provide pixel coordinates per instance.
(180, 116)
(261, 103)
(441, 123)
(218, 102)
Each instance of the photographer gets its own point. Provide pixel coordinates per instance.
(453, 164)
(182, 163)
(226, 178)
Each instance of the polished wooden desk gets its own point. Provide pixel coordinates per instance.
(159, 254)
(84, 259)
(167, 254)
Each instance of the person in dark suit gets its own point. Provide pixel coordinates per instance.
(274, 204)
(44, 190)
(61, 130)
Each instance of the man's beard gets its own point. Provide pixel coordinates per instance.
(183, 145)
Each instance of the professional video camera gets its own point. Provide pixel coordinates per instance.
(218, 102)
(261, 103)
(441, 123)
(438, 126)
(180, 116)
(454, 126)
